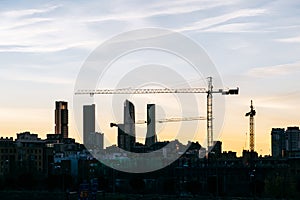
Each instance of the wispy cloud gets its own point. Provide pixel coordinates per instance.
(289, 39)
(33, 75)
(212, 22)
(25, 31)
(41, 79)
(277, 70)
(234, 28)
(28, 12)
(43, 29)
(158, 9)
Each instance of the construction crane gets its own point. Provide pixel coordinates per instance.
(179, 119)
(172, 119)
(251, 114)
(112, 124)
(209, 90)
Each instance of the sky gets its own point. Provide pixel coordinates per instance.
(254, 45)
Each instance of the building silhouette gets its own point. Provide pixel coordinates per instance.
(293, 141)
(126, 131)
(122, 138)
(151, 131)
(24, 155)
(61, 118)
(285, 143)
(278, 142)
(88, 124)
(129, 119)
(95, 140)
(217, 149)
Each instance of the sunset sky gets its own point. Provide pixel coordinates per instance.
(254, 45)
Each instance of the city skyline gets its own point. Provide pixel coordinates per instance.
(129, 112)
(254, 46)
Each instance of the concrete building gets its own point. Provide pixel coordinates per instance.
(151, 131)
(61, 118)
(95, 140)
(293, 138)
(88, 124)
(126, 131)
(125, 141)
(8, 155)
(293, 141)
(129, 119)
(278, 142)
(24, 155)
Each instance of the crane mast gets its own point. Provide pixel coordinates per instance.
(209, 114)
(251, 115)
(209, 90)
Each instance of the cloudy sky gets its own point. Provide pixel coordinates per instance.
(254, 45)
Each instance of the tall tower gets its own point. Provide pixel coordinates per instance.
(61, 118)
(151, 132)
(129, 125)
(251, 114)
(210, 135)
(293, 139)
(88, 123)
(278, 142)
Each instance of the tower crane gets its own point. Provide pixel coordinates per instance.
(112, 124)
(172, 119)
(251, 114)
(179, 119)
(209, 91)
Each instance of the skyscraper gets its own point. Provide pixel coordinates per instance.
(122, 138)
(278, 142)
(129, 118)
(61, 118)
(285, 143)
(88, 123)
(151, 135)
(293, 139)
(126, 131)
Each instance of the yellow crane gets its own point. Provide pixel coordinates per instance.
(251, 115)
(209, 90)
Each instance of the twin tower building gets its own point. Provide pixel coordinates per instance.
(126, 131)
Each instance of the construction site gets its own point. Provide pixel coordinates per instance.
(126, 130)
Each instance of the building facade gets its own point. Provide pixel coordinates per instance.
(24, 155)
(293, 141)
(88, 124)
(151, 130)
(278, 142)
(61, 118)
(126, 131)
(285, 143)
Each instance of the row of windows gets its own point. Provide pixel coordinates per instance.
(27, 150)
(8, 150)
(33, 157)
(2, 170)
(5, 163)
